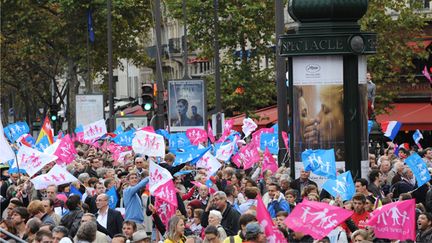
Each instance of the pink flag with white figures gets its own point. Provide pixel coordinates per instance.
(165, 210)
(58, 175)
(196, 135)
(148, 143)
(148, 129)
(248, 155)
(31, 160)
(167, 193)
(395, 221)
(315, 218)
(273, 234)
(269, 163)
(248, 126)
(210, 133)
(94, 130)
(256, 136)
(65, 151)
(226, 130)
(426, 74)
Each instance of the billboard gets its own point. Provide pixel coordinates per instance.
(89, 108)
(186, 105)
(129, 122)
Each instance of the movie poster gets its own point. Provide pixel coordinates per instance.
(186, 104)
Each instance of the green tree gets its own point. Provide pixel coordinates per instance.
(396, 23)
(246, 36)
(46, 40)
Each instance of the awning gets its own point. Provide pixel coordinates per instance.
(135, 110)
(415, 44)
(267, 117)
(412, 116)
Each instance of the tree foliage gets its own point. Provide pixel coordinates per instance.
(246, 34)
(396, 23)
(45, 40)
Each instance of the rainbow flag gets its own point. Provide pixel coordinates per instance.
(47, 131)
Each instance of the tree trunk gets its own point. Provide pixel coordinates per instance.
(73, 90)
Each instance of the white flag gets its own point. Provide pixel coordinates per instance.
(225, 151)
(56, 176)
(95, 130)
(31, 160)
(52, 148)
(210, 163)
(148, 143)
(158, 176)
(6, 152)
(248, 126)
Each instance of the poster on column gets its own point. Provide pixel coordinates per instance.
(186, 105)
(319, 112)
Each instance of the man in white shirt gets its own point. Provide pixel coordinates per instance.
(110, 219)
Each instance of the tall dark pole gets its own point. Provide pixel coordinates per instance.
(281, 84)
(159, 81)
(110, 69)
(184, 42)
(217, 69)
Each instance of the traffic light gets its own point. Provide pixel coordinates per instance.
(54, 112)
(147, 96)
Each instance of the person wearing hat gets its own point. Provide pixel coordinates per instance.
(254, 233)
(141, 237)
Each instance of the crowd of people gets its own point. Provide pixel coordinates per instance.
(221, 211)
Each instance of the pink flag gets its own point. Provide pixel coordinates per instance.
(315, 218)
(248, 155)
(167, 193)
(196, 135)
(395, 221)
(285, 139)
(226, 130)
(256, 136)
(148, 129)
(66, 150)
(426, 74)
(165, 210)
(273, 234)
(269, 163)
(210, 133)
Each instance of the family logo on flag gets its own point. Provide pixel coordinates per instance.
(209, 163)
(315, 218)
(419, 169)
(178, 141)
(273, 234)
(189, 154)
(66, 150)
(196, 135)
(395, 221)
(248, 126)
(225, 151)
(256, 136)
(42, 144)
(95, 130)
(125, 138)
(343, 186)
(247, 156)
(56, 176)
(269, 163)
(226, 130)
(158, 176)
(148, 143)
(165, 210)
(391, 128)
(270, 141)
(31, 160)
(321, 162)
(16, 130)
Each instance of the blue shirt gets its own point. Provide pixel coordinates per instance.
(132, 202)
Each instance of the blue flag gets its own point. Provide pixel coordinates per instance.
(16, 130)
(112, 197)
(321, 162)
(13, 168)
(125, 139)
(119, 130)
(271, 141)
(275, 128)
(75, 191)
(370, 124)
(177, 141)
(43, 144)
(189, 154)
(343, 186)
(163, 133)
(183, 172)
(79, 129)
(419, 169)
(90, 29)
(417, 136)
